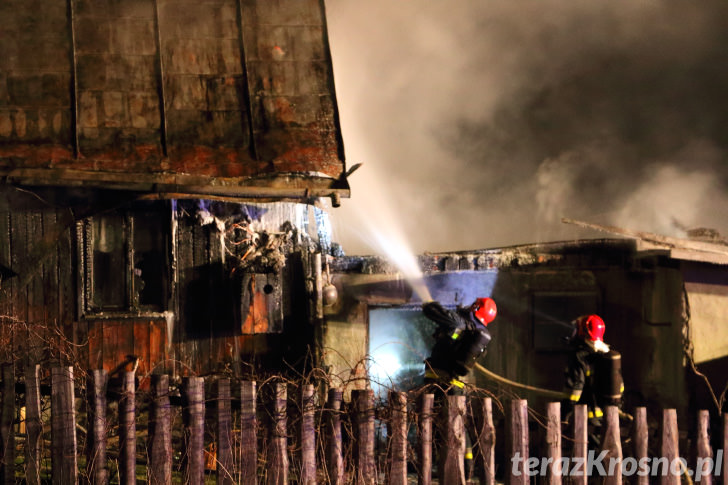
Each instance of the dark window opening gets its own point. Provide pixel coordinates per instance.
(126, 259)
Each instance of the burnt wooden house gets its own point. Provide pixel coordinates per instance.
(164, 169)
(664, 301)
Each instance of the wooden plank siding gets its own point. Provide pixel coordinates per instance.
(51, 315)
(7, 287)
(20, 258)
(111, 342)
(39, 305)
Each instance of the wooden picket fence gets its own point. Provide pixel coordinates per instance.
(243, 436)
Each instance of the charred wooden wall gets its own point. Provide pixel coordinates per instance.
(203, 324)
(229, 308)
(39, 301)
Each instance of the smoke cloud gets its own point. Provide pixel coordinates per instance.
(482, 124)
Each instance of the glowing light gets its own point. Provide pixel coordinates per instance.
(387, 364)
(383, 371)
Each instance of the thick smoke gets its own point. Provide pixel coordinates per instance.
(482, 124)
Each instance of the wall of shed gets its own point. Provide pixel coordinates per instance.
(43, 320)
(38, 304)
(640, 298)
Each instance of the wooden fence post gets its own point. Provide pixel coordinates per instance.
(485, 456)
(363, 400)
(398, 438)
(553, 443)
(248, 434)
(33, 424)
(612, 444)
(7, 433)
(579, 476)
(159, 463)
(63, 427)
(224, 465)
(308, 436)
(704, 466)
(193, 416)
(424, 474)
(334, 448)
(669, 448)
(96, 438)
(517, 456)
(452, 451)
(127, 429)
(639, 440)
(278, 453)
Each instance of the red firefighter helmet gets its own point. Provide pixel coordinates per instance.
(484, 310)
(590, 327)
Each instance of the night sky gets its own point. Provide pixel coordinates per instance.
(481, 124)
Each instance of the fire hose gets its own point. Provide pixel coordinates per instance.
(508, 382)
(538, 390)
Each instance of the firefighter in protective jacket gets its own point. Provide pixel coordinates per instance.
(460, 338)
(594, 373)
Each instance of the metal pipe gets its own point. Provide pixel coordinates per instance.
(318, 286)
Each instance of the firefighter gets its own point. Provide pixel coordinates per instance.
(461, 337)
(593, 375)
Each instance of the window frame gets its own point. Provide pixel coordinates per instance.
(131, 306)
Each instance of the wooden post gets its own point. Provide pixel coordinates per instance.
(704, 466)
(669, 448)
(424, 474)
(639, 438)
(553, 443)
(193, 416)
(278, 453)
(517, 456)
(398, 438)
(485, 456)
(366, 472)
(33, 424)
(579, 476)
(308, 436)
(612, 444)
(225, 468)
(96, 439)
(63, 427)
(334, 448)
(159, 463)
(7, 433)
(452, 451)
(127, 430)
(248, 434)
